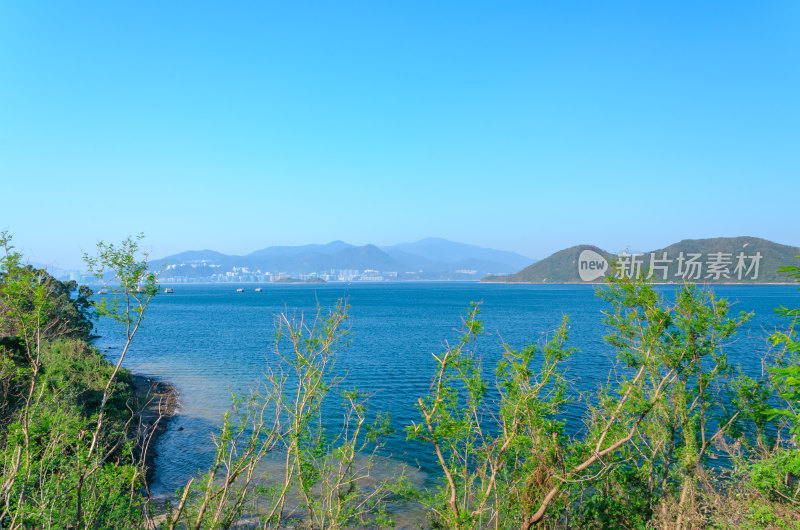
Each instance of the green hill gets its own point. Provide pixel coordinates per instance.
(714, 260)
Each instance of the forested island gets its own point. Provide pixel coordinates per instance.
(677, 438)
(715, 260)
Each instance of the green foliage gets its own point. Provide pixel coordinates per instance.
(768, 470)
(648, 456)
(786, 378)
(24, 301)
(673, 398)
(326, 475)
(325, 467)
(76, 368)
(61, 315)
(66, 447)
(124, 271)
(219, 498)
(769, 475)
(497, 466)
(48, 470)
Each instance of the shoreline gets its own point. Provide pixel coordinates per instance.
(157, 403)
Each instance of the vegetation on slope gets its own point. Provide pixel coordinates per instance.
(648, 455)
(562, 267)
(66, 445)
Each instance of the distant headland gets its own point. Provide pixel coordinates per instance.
(741, 260)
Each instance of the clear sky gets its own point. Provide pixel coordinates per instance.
(528, 126)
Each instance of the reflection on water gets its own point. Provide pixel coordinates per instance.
(209, 341)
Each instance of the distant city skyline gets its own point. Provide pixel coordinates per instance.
(514, 126)
(79, 264)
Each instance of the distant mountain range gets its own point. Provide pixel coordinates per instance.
(427, 259)
(715, 260)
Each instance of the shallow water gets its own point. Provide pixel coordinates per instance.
(209, 341)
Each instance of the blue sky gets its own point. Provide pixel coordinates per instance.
(527, 126)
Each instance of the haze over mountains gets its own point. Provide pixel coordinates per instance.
(427, 259)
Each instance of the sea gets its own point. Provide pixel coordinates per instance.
(211, 342)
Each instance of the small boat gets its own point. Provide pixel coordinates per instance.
(102, 291)
(258, 289)
(169, 290)
(239, 290)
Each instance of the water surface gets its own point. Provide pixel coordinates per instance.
(209, 341)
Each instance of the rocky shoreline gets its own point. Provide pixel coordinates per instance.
(157, 403)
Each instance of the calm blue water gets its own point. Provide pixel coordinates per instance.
(209, 341)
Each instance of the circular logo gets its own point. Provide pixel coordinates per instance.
(591, 265)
